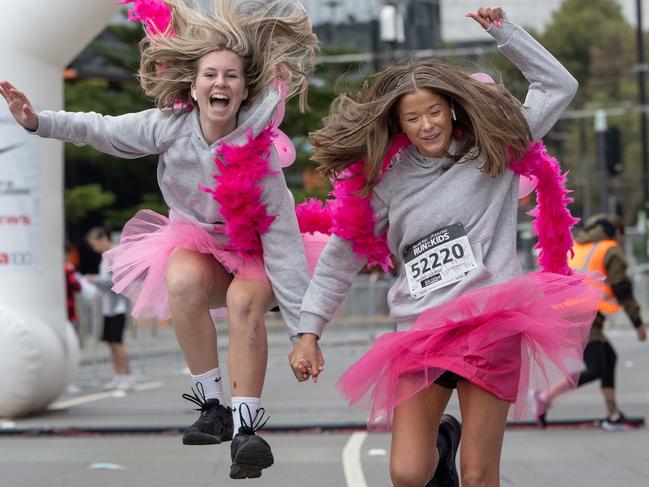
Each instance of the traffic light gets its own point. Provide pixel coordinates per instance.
(614, 152)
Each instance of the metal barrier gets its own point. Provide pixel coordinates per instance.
(154, 351)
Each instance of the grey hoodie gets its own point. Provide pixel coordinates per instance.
(416, 196)
(185, 161)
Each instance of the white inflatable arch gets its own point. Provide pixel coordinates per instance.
(38, 351)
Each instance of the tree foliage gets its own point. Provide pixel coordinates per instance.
(80, 200)
(114, 52)
(597, 45)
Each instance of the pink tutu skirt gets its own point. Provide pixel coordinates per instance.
(139, 262)
(506, 338)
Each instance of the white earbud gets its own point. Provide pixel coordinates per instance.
(453, 114)
(195, 99)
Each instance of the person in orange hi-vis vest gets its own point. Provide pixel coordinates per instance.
(597, 248)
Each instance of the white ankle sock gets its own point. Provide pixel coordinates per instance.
(210, 382)
(253, 404)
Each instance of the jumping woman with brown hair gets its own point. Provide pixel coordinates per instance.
(426, 161)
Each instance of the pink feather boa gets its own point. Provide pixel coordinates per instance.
(352, 217)
(238, 192)
(155, 15)
(552, 218)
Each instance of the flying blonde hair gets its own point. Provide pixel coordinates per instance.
(361, 125)
(272, 38)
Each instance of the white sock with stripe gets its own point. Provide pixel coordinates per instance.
(248, 407)
(211, 383)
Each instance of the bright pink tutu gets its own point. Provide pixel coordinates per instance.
(506, 338)
(139, 262)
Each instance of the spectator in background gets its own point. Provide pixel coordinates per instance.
(597, 248)
(72, 286)
(113, 308)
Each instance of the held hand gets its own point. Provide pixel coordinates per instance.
(486, 16)
(306, 359)
(19, 106)
(642, 333)
(298, 366)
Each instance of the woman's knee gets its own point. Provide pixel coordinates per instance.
(478, 475)
(407, 475)
(589, 375)
(186, 281)
(244, 307)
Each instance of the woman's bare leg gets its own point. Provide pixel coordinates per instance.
(413, 457)
(195, 282)
(483, 428)
(247, 302)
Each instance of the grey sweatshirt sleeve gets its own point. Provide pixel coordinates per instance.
(284, 257)
(552, 87)
(334, 275)
(128, 136)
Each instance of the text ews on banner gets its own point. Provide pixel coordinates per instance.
(19, 178)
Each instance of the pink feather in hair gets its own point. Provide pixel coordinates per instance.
(155, 15)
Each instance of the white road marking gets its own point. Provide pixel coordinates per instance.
(148, 386)
(58, 405)
(352, 460)
(106, 466)
(377, 452)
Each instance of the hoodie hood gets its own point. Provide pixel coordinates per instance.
(594, 234)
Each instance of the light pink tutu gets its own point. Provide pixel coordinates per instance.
(139, 262)
(506, 338)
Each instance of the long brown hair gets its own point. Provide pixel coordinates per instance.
(361, 125)
(272, 38)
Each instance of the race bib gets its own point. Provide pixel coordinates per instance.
(438, 260)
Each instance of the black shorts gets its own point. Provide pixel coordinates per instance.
(113, 328)
(600, 360)
(449, 380)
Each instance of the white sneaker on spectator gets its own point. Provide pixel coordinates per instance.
(73, 389)
(125, 383)
(111, 384)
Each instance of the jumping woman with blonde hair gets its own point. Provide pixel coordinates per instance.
(219, 77)
(426, 160)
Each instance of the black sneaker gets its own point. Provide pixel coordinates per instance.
(213, 426)
(448, 440)
(250, 453)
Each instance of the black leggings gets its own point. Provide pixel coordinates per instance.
(600, 360)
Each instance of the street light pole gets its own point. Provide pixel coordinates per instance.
(641, 69)
(600, 134)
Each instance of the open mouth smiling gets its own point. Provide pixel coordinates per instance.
(218, 100)
(430, 138)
